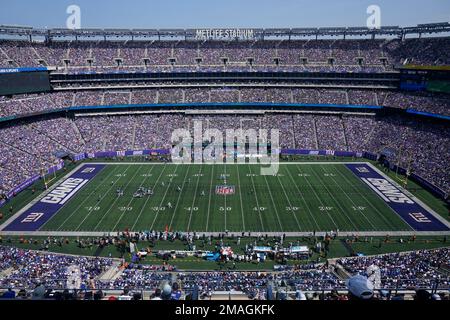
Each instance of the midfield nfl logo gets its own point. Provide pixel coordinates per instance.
(225, 190)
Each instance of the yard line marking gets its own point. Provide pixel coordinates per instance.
(273, 202)
(318, 198)
(303, 198)
(240, 199)
(225, 199)
(193, 201)
(351, 200)
(132, 198)
(256, 198)
(334, 199)
(148, 198)
(84, 200)
(209, 198)
(366, 200)
(164, 197)
(101, 198)
(179, 197)
(290, 204)
(110, 207)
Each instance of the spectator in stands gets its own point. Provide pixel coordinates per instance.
(156, 295)
(9, 294)
(359, 287)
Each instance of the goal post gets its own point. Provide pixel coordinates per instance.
(47, 176)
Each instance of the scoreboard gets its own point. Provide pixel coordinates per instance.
(24, 80)
(431, 78)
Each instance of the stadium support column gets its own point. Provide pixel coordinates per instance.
(398, 161)
(345, 134)
(316, 140)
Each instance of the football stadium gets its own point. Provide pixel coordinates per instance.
(296, 163)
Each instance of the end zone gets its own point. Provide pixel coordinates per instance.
(408, 207)
(52, 201)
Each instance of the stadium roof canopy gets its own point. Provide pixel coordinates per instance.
(257, 33)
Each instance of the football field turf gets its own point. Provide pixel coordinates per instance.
(301, 197)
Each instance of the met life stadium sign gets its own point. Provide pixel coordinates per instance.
(224, 34)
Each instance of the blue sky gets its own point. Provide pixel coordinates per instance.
(220, 14)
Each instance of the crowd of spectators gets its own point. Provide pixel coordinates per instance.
(252, 283)
(29, 103)
(143, 277)
(39, 274)
(421, 101)
(27, 269)
(423, 269)
(30, 147)
(375, 55)
(420, 146)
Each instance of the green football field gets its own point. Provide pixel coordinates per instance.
(301, 197)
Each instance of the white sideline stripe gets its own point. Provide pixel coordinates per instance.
(73, 192)
(238, 164)
(376, 190)
(237, 233)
